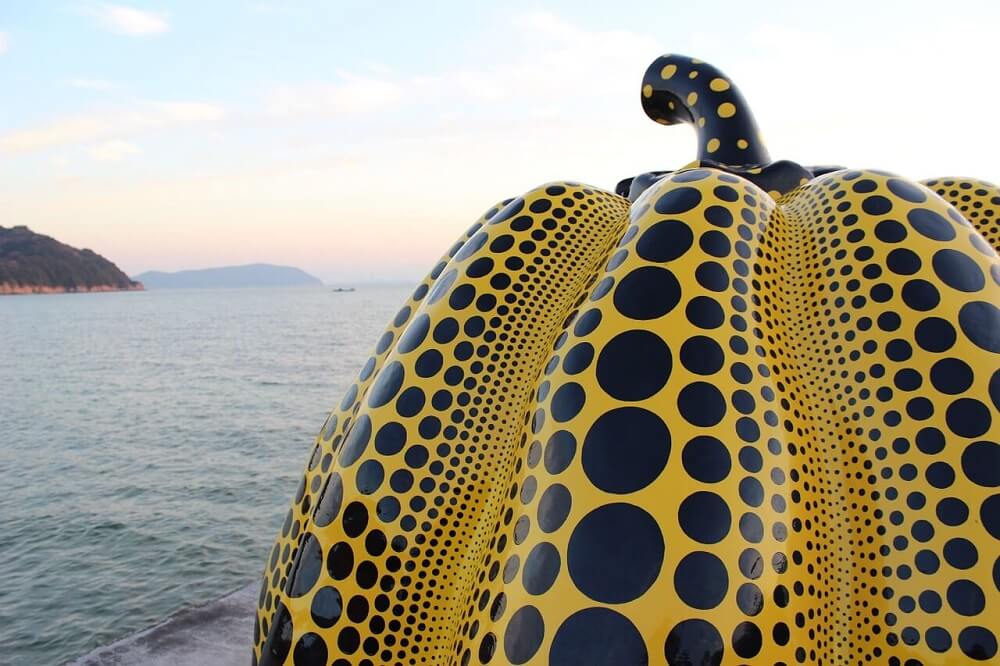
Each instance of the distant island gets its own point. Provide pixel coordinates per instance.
(251, 275)
(31, 263)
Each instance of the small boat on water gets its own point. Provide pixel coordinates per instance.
(343, 289)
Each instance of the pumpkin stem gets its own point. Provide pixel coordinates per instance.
(678, 89)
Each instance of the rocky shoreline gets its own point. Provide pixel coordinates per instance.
(8, 289)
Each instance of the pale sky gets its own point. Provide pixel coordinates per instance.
(357, 139)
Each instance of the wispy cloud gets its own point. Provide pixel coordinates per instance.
(131, 21)
(119, 123)
(113, 151)
(99, 85)
(4, 43)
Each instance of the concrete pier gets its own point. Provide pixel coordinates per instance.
(215, 634)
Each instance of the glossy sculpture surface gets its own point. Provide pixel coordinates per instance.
(744, 412)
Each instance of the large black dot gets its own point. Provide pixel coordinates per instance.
(701, 404)
(554, 507)
(958, 270)
(930, 224)
(356, 441)
(705, 312)
(559, 451)
(967, 417)
(694, 643)
(980, 321)
(415, 334)
(876, 205)
(597, 637)
(665, 241)
(308, 565)
(747, 640)
(906, 190)
(390, 438)
(702, 355)
(706, 459)
(978, 643)
(625, 449)
(705, 517)
(279, 638)
(327, 607)
(647, 293)
(524, 635)
(701, 580)
(678, 200)
(310, 650)
(981, 463)
(330, 501)
(541, 568)
(634, 365)
(966, 598)
(568, 401)
(615, 553)
(386, 385)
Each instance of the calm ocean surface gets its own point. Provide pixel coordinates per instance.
(149, 446)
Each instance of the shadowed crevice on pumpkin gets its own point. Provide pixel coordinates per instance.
(737, 419)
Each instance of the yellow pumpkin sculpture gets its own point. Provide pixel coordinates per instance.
(741, 412)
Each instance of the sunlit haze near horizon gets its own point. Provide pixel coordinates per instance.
(356, 140)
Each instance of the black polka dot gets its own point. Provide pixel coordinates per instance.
(541, 568)
(701, 580)
(308, 565)
(702, 355)
(279, 638)
(958, 270)
(706, 459)
(678, 200)
(719, 216)
(615, 553)
(634, 365)
(981, 463)
(386, 385)
(559, 451)
(935, 334)
(876, 205)
(415, 334)
(890, 231)
(980, 321)
(967, 417)
(310, 650)
(701, 404)
(705, 517)
(647, 293)
(977, 643)
(966, 598)
(747, 640)
(704, 312)
(578, 358)
(553, 507)
(356, 441)
(906, 191)
(625, 449)
(665, 241)
(524, 635)
(327, 606)
(694, 643)
(330, 501)
(568, 401)
(920, 295)
(597, 637)
(930, 224)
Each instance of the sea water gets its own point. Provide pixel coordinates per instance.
(150, 443)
